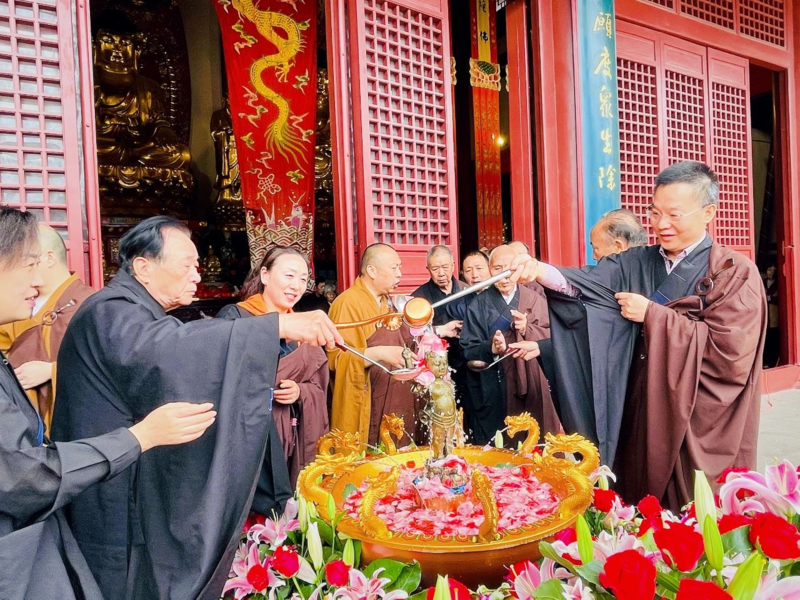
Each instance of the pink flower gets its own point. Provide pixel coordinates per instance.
(250, 574)
(361, 588)
(525, 578)
(777, 491)
(785, 589)
(577, 591)
(425, 378)
(273, 531)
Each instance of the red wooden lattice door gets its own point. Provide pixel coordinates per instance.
(39, 161)
(680, 101)
(401, 106)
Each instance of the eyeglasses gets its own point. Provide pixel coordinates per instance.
(656, 216)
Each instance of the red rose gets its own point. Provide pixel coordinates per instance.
(681, 546)
(604, 499)
(337, 572)
(724, 475)
(730, 522)
(257, 577)
(567, 536)
(649, 506)
(458, 591)
(778, 538)
(285, 561)
(654, 523)
(630, 576)
(692, 589)
(253, 519)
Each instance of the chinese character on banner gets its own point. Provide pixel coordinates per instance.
(607, 178)
(605, 103)
(605, 135)
(604, 64)
(604, 22)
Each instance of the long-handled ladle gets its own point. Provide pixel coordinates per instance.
(399, 374)
(481, 365)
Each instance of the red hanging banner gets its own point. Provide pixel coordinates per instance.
(484, 77)
(271, 64)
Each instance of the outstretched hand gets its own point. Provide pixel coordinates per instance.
(173, 423)
(526, 350)
(524, 268)
(313, 328)
(634, 306)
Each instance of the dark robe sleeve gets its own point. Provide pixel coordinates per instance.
(474, 341)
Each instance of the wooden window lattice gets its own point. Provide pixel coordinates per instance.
(730, 143)
(763, 20)
(686, 122)
(36, 174)
(718, 12)
(406, 125)
(638, 131)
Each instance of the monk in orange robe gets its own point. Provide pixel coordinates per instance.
(365, 299)
(32, 345)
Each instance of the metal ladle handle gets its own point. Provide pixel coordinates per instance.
(346, 348)
(473, 288)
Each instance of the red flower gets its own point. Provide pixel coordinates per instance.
(567, 536)
(604, 499)
(692, 589)
(649, 506)
(724, 475)
(458, 591)
(730, 522)
(285, 561)
(630, 576)
(253, 519)
(257, 577)
(778, 538)
(337, 572)
(681, 546)
(654, 523)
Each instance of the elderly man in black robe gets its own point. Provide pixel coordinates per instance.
(38, 554)
(662, 343)
(169, 527)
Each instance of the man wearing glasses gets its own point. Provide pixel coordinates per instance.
(665, 342)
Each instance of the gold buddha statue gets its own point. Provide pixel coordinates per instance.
(228, 206)
(212, 268)
(136, 145)
(440, 413)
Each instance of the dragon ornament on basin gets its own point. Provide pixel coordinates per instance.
(391, 425)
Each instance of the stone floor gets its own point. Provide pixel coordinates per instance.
(779, 432)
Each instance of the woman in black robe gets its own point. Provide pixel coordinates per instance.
(38, 554)
(300, 407)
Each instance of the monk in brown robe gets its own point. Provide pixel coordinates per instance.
(300, 406)
(507, 317)
(365, 299)
(675, 332)
(32, 345)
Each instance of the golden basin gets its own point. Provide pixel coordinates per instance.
(473, 560)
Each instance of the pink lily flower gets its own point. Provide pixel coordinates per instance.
(273, 531)
(251, 575)
(527, 580)
(577, 591)
(777, 491)
(361, 588)
(785, 589)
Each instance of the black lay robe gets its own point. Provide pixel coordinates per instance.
(39, 558)
(172, 524)
(593, 344)
(487, 313)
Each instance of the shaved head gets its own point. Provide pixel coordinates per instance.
(376, 255)
(519, 247)
(51, 241)
(499, 261)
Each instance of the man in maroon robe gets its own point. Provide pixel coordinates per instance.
(682, 354)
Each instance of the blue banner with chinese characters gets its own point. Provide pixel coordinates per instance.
(597, 60)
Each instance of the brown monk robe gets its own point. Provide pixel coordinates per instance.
(693, 394)
(38, 339)
(527, 389)
(389, 395)
(303, 422)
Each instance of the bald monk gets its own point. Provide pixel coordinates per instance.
(32, 345)
(507, 317)
(366, 298)
(615, 232)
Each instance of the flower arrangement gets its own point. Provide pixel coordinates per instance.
(743, 544)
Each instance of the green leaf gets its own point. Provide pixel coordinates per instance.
(325, 531)
(668, 581)
(649, 542)
(391, 569)
(349, 489)
(737, 541)
(713, 543)
(745, 581)
(409, 578)
(423, 595)
(550, 590)
(591, 571)
(547, 551)
(585, 547)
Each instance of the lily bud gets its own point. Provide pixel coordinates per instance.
(442, 591)
(745, 581)
(703, 499)
(498, 440)
(712, 541)
(585, 546)
(331, 508)
(315, 546)
(302, 514)
(349, 553)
